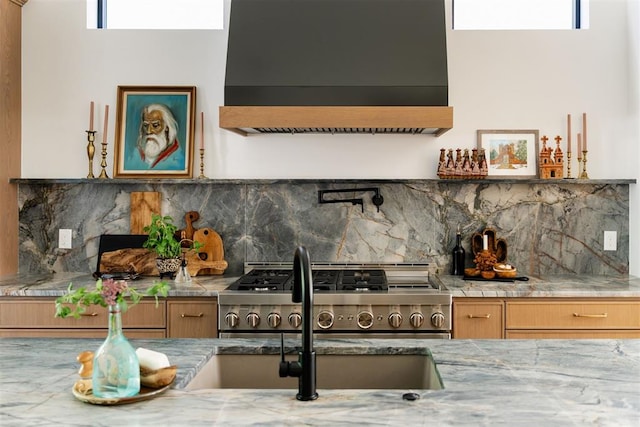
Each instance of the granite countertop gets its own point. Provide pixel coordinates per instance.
(569, 286)
(488, 382)
(53, 285)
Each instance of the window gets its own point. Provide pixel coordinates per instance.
(520, 14)
(155, 14)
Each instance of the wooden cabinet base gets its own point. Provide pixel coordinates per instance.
(174, 317)
(540, 318)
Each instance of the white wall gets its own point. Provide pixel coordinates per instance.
(497, 80)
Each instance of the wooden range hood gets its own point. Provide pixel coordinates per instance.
(246, 120)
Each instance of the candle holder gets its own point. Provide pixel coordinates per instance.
(103, 162)
(569, 165)
(202, 175)
(91, 150)
(583, 174)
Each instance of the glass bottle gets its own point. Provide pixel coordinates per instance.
(457, 266)
(116, 370)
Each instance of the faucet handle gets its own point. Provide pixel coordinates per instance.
(287, 369)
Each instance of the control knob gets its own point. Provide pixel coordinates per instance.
(253, 319)
(273, 319)
(232, 319)
(437, 319)
(365, 320)
(395, 320)
(295, 320)
(416, 319)
(325, 319)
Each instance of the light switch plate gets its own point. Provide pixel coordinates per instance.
(610, 240)
(65, 236)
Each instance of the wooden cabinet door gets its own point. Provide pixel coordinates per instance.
(478, 319)
(192, 318)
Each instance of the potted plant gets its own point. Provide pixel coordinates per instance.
(162, 240)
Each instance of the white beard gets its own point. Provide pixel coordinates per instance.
(152, 146)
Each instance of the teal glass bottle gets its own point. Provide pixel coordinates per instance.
(116, 370)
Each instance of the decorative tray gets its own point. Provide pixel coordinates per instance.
(88, 397)
(497, 279)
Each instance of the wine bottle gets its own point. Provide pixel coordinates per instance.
(457, 266)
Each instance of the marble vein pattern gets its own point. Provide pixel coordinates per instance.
(487, 383)
(551, 229)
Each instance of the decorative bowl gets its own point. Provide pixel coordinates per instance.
(505, 271)
(488, 274)
(471, 272)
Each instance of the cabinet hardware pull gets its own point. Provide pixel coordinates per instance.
(192, 315)
(89, 314)
(479, 316)
(590, 315)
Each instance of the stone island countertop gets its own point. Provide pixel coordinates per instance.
(570, 286)
(487, 383)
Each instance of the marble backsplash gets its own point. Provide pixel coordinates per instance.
(550, 228)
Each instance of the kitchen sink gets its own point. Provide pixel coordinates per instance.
(334, 371)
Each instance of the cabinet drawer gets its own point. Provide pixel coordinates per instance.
(478, 320)
(79, 333)
(39, 313)
(576, 334)
(193, 319)
(573, 315)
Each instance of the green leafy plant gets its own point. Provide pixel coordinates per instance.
(162, 237)
(107, 292)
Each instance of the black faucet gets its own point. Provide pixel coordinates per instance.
(305, 367)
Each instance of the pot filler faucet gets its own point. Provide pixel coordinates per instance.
(305, 367)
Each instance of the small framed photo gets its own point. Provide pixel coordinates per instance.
(510, 153)
(154, 132)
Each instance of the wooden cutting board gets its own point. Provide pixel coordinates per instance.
(143, 204)
(210, 259)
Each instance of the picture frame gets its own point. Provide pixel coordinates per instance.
(510, 153)
(162, 144)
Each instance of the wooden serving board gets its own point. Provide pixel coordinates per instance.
(132, 260)
(143, 204)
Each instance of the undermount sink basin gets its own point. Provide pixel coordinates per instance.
(334, 371)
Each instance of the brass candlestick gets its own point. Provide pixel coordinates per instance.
(583, 174)
(103, 163)
(201, 176)
(91, 150)
(569, 165)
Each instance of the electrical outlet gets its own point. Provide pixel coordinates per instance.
(65, 237)
(610, 240)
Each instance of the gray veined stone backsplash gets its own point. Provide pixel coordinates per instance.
(550, 228)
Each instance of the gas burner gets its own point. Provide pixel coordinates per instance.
(262, 281)
(363, 281)
(323, 281)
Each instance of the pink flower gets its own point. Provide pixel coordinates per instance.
(112, 289)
